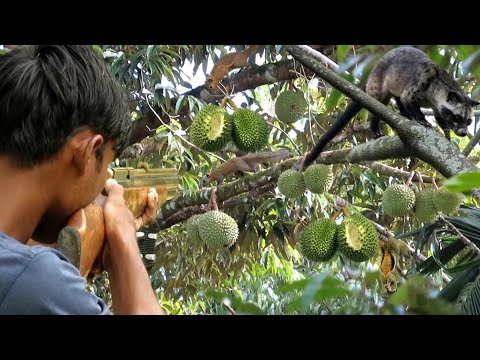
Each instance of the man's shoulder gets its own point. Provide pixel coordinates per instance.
(42, 280)
(16, 257)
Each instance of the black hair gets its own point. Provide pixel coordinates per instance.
(50, 92)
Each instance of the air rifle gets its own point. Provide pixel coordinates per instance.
(83, 238)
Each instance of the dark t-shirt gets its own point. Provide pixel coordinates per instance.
(40, 280)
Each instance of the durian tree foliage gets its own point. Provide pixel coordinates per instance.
(264, 270)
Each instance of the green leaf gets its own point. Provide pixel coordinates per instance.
(150, 50)
(430, 265)
(463, 182)
(464, 51)
(333, 292)
(98, 50)
(342, 50)
(296, 285)
(191, 103)
(465, 266)
(454, 287)
(169, 51)
(179, 104)
(471, 306)
(333, 100)
(373, 179)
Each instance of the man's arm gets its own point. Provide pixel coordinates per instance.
(132, 292)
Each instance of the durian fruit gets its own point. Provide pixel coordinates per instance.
(447, 202)
(217, 229)
(357, 238)
(318, 241)
(398, 200)
(191, 227)
(250, 130)
(290, 106)
(318, 178)
(211, 128)
(291, 184)
(425, 210)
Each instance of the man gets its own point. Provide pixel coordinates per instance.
(62, 120)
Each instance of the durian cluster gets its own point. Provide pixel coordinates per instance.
(212, 128)
(316, 178)
(214, 228)
(400, 200)
(356, 238)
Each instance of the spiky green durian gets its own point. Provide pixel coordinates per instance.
(290, 183)
(398, 200)
(425, 210)
(447, 202)
(217, 229)
(191, 227)
(290, 106)
(318, 241)
(318, 178)
(357, 238)
(250, 130)
(211, 128)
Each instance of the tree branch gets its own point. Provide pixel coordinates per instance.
(424, 143)
(245, 198)
(394, 172)
(249, 78)
(227, 191)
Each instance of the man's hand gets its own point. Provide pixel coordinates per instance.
(120, 224)
(150, 212)
(129, 282)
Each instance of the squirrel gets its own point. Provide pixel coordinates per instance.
(392, 252)
(229, 62)
(241, 164)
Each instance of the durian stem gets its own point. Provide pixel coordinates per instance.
(435, 186)
(300, 168)
(213, 200)
(420, 180)
(232, 104)
(334, 216)
(410, 177)
(224, 102)
(345, 212)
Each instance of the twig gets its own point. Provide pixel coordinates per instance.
(173, 131)
(462, 237)
(228, 308)
(400, 174)
(285, 133)
(466, 151)
(420, 180)
(213, 200)
(410, 177)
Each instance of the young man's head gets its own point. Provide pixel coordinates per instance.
(50, 92)
(60, 106)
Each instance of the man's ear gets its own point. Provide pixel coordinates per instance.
(85, 145)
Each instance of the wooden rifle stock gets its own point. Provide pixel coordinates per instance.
(82, 240)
